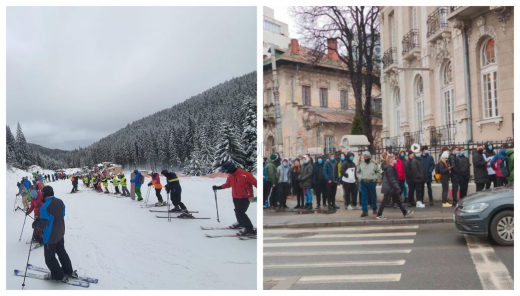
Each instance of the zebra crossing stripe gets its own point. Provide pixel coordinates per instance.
(336, 253)
(354, 278)
(333, 229)
(340, 243)
(364, 263)
(355, 235)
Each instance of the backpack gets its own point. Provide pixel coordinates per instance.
(141, 179)
(504, 166)
(437, 172)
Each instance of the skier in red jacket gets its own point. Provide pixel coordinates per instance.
(241, 183)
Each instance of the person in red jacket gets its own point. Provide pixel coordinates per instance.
(241, 183)
(399, 166)
(36, 203)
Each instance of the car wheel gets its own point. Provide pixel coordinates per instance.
(502, 228)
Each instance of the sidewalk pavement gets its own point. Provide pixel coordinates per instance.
(342, 217)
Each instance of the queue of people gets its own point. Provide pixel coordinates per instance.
(406, 178)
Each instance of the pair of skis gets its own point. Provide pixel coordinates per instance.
(241, 237)
(82, 281)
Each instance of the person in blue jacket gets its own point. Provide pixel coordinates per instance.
(429, 166)
(52, 222)
(137, 185)
(330, 171)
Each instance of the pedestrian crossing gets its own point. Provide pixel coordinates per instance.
(336, 257)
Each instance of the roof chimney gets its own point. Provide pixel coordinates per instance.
(332, 45)
(295, 47)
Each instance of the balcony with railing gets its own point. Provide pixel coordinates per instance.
(410, 43)
(466, 12)
(437, 24)
(389, 59)
(443, 135)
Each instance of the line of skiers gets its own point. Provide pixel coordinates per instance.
(414, 171)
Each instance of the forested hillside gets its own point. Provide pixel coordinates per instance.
(194, 137)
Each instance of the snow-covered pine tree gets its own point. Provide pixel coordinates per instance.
(249, 134)
(10, 147)
(194, 167)
(207, 153)
(22, 152)
(229, 148)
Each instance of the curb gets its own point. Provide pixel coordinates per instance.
(362, 222)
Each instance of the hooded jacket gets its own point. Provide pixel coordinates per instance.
(330, 171)
(480, 172)
(511, 154)
(241, 183)
(52, 221)
(271, 172)
(348, 170)
(284, 173)
(463, 165)
(418, 170)
(36, 204)
(306, 175)
(390, 185)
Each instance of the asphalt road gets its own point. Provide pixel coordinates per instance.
(393, 257)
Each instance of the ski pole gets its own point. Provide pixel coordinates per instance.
(27, 265)
(216, 204)
(23, 228)
(24, 212)
(15, 201)
(147, 195)
(168, 199)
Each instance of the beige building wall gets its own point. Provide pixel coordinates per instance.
(431, 55)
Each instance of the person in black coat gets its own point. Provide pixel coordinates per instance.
(418, 177)
(463, 166)
(409, 178)
(319, 183)
(295, 183)
(443, 169)
(390, 188)
(480, 172)
(455, 172)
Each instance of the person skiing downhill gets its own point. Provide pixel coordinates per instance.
(52, 222)
(156, 182)
(173, 188)
(137, 185)
(241, 183)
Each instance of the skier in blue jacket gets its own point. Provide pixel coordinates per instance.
(137, 185)
(52, 222)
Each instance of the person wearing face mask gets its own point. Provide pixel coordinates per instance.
(480, 172)
(284, 187)
(272, 178)
(429, 166)
(409, 179)
(418, 177)
(349, 182)
(488, 156)
(296, 188)
(454, 172)
(305, 180)
(330, 171)
(319, 183)
(368, 172)
(277, 161)
(463, 166)
(443, 169)
(390, 188)
(399, 166)
(496, 162)
(401, 157)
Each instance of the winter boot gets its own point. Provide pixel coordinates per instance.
(49, 277)
(235, 225)
(73, 275)
(185, 214)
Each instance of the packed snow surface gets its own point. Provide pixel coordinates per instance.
(127, 247)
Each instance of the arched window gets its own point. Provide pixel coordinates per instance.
(419, 105)
(488, 72)
(397, 102)
(448, 101)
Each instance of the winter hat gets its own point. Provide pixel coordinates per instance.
(367, 153)
(34, 194)
(273, 156)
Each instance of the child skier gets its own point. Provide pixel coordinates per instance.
(173, 188)
(105, 183)
(241, 183)
(156, 182)
(122, 180)
(115, 181)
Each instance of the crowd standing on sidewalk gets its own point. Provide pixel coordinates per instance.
(405, 177)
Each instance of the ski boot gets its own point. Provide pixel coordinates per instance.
(185, 214)
(245, 232)
(73, 275)
(176, 210)
(235, 225)
(160, 204)
(49, 277)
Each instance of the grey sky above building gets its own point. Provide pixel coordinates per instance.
(77, 74)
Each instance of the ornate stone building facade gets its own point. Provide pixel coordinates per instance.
(448, 74)
(317, 104)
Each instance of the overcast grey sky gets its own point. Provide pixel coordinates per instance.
(77, 74)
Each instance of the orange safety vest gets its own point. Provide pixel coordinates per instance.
(157, 186)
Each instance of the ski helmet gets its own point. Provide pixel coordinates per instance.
(164, 172)
(228, 167)
(47, 191)
(136, 171)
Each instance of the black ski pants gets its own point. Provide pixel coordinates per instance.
(50, 252)
(284, 190)
(320, 189)
(175, 197)
(332, 188)
(158, 194)
(350, 191)
(241, 206)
